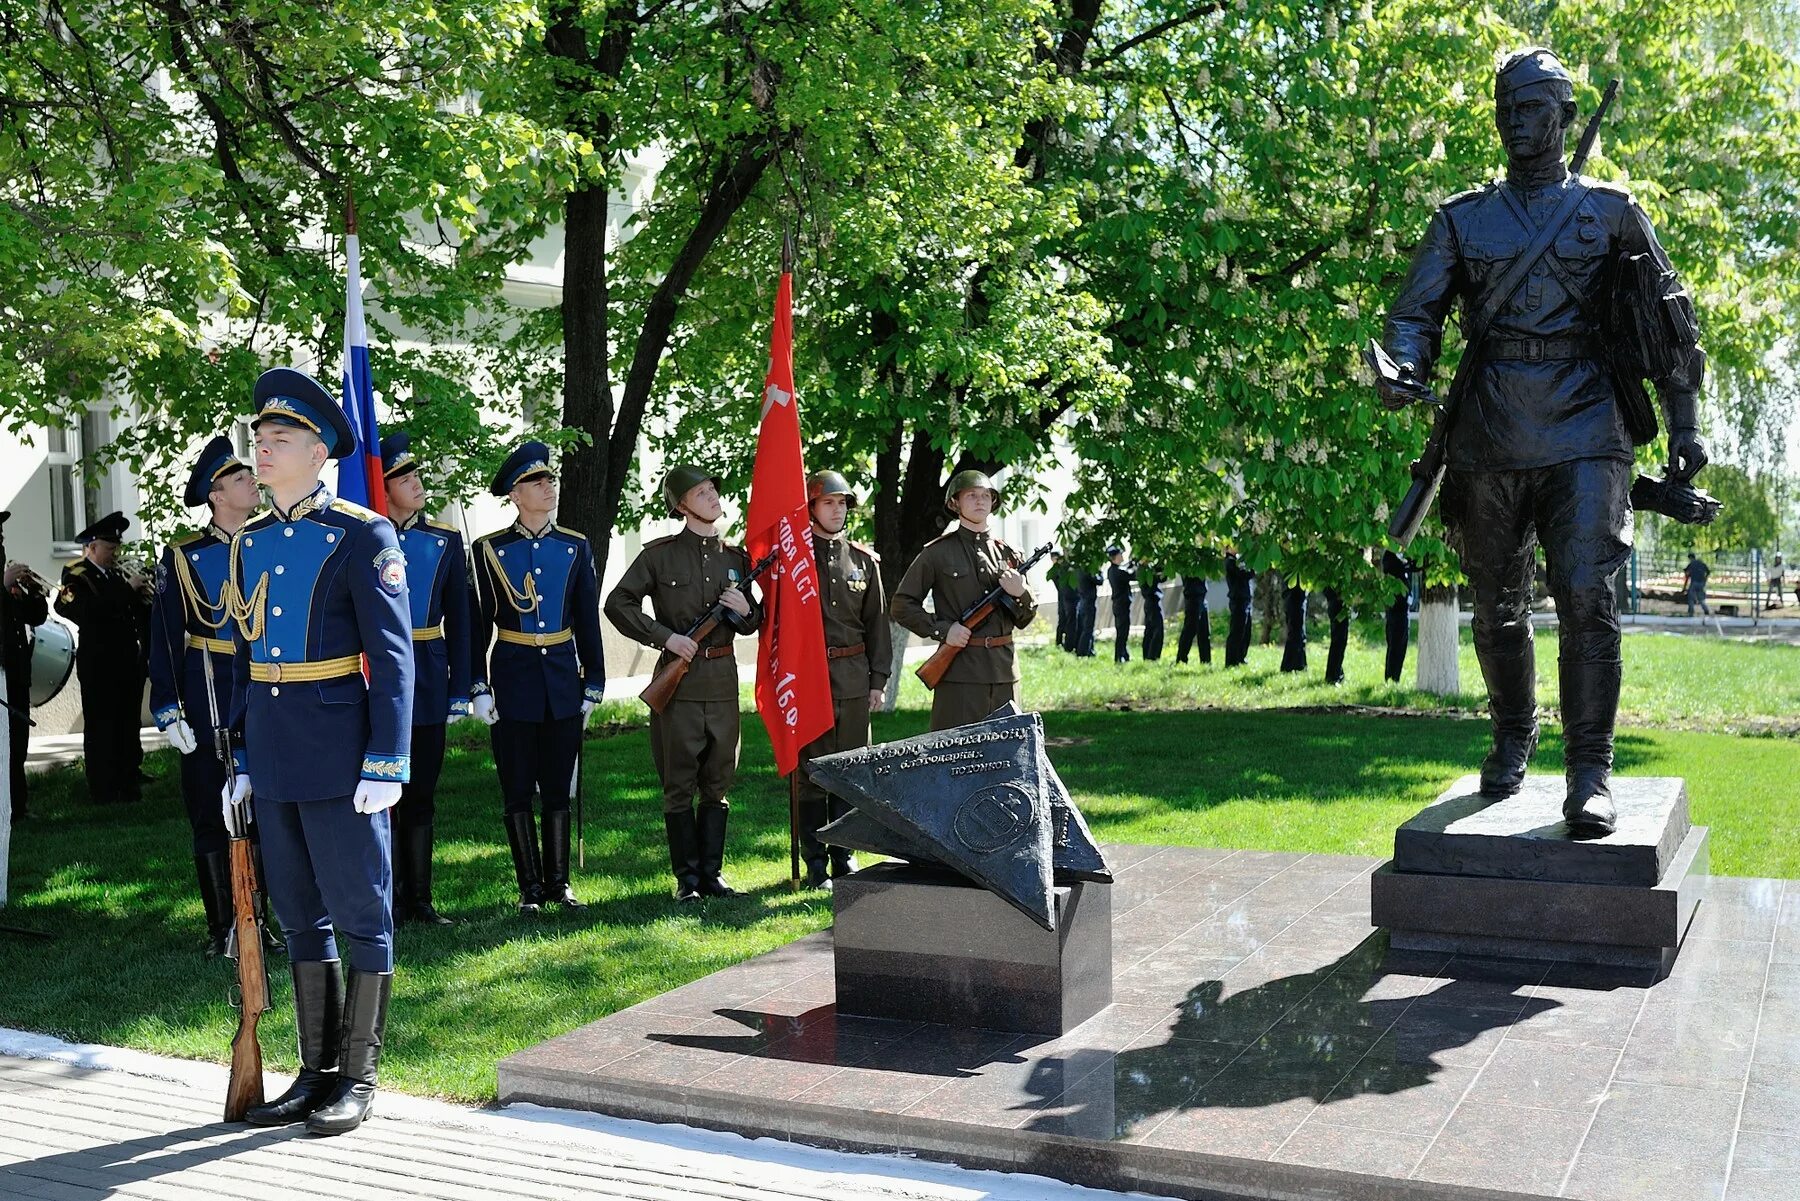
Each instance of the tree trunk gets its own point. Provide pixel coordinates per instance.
(901, 638)
(587, 381)
(1439, 640)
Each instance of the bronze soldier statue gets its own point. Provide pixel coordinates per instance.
(1540, 445)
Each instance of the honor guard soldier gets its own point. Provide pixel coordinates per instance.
(191, 664)
(24, 604)
(694, 741)
(1541, 451)
(957, 570)
(858, 650)
(437, 584)
(539, 603)
(318, 591)
(112, 612)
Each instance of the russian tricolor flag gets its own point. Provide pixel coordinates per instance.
(359, 475)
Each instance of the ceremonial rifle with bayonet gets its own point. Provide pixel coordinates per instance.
(932, 670)
(668, 677)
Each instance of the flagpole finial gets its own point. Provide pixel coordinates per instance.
(349, 211)
(787, 252)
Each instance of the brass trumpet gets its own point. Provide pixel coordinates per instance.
(27, 581)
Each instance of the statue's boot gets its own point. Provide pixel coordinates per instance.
(318, 1005)
(365, 1020)
(1590, 706)
(1511, 677)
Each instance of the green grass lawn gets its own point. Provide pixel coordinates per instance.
(1154, 753)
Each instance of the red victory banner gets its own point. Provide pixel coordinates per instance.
(793, 683)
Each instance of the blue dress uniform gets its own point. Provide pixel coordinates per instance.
(437, 582)
(191, 653)
(539, 609)
(318, 591)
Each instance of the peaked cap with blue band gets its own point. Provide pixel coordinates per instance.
(217, 460)
(531, 459)
(297, 399)
(397, 456)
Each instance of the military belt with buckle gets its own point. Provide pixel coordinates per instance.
(306, 672)
(715, 652)
(992, 641)
(521, 638)
(218, 646)
(844, 652)
(1539, 350)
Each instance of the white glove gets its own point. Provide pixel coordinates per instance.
(180, 735)
(483, 707)
(372, 796)
(587, 707)
(235, 793)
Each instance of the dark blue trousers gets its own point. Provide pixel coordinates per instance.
(330, 866)
(535, 757)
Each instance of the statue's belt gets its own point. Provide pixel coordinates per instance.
(1538, 350)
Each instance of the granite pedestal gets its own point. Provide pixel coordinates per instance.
(921, 944)
(1472, 876)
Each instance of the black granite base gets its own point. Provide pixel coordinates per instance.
(917, 944)
(1263, 1044)
(1475, 877)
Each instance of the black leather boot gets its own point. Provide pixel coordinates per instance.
(1590, 706)
(415, 852)
(556, 860)
(843, 861)
(521, 836)
(812, 852)
(684, 854)
(318, 1006)
(214, 871)
(1511, 677)
(402, 869)
(365, 1017)
(710, 821)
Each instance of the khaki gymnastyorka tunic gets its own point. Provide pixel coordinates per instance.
(694, 741)
(956, 571)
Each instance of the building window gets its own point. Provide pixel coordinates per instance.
(74, 496)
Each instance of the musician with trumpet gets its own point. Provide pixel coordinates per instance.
(111, 608)
(26, 604)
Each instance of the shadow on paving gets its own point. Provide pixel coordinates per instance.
(110, 1169)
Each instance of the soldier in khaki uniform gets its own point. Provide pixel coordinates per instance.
(694, 741)
(859, 651)
(957, 570)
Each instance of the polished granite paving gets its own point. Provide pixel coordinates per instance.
(1264, 1042)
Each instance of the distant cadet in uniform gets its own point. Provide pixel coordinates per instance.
(539, 606)
(1118, 581)
(1237, 609)
(113, 614)
(1087, 611)
(694, 742)
(24, 604)
(1067, 582)
(956, 571)
(1293, 647)
(437, 584)
(1397, 620)
(859, 652)
(192, 658)
(1196, 622)
(318, 592)
(1150, 582)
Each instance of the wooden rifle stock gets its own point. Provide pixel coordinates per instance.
(931, 672)
(661, 689)
(246, 1085)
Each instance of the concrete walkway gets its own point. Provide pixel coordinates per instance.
(84, 1123)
